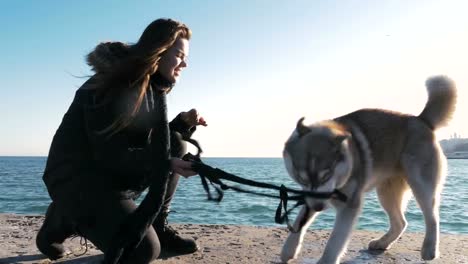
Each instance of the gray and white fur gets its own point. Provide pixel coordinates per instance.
(392, 152)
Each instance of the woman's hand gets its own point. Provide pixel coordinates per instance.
(192, 118)
(182, 167)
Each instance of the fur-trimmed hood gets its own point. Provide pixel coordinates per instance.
(106, 55)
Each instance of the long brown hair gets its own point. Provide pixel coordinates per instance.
(123, 67)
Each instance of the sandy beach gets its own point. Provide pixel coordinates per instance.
(229, 244)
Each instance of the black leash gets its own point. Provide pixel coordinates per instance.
(214, 175)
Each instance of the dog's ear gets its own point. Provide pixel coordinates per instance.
(301, 128)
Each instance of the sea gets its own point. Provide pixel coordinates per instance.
(22, 191)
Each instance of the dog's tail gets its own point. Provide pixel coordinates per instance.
(442, 97)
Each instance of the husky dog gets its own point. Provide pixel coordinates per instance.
(366, 149)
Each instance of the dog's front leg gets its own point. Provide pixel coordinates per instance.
(336, 245)
(293, 244)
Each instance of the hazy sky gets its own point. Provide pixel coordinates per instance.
(255, 67)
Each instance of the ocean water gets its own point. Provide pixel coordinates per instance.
(23, 192)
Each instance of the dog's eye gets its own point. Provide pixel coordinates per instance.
(325, 174)
(326, 171)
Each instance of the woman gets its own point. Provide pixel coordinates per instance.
(100, 159)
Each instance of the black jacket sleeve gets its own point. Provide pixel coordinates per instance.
(179, 125)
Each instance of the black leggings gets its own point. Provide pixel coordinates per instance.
(107, 218)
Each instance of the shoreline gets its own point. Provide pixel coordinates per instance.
(230, 244)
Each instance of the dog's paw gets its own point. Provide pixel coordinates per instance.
(291, 248)
(326, 261)
(289, 252)
(287, 256)
(429, 251)
(378, 244)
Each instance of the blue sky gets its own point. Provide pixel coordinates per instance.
(255, 67)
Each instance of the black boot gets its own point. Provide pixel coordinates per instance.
(53, 232)
(170, 239)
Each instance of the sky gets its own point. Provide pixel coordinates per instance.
(254, 68)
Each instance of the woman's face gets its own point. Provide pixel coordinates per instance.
(174, 60)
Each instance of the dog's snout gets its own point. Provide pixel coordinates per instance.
(319, 207)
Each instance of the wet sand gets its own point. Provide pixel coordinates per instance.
(230, 244)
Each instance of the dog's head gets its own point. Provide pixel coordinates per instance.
(318, 157)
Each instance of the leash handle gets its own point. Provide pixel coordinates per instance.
(281, 218)
(283, 204)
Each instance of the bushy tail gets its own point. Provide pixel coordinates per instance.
(442, 97)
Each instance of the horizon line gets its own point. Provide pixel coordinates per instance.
(234, 157)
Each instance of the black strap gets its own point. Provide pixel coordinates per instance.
(214, 175)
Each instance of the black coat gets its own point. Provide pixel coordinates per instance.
(83, 161)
